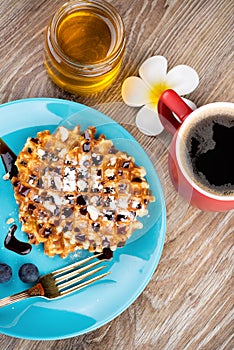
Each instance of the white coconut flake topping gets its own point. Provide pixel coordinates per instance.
(64, 133)
(40, 153)
(69, 182)
(112, 161)
(110, 172)
(135, 204)
(82, 185)
(123, 202)
(49, 206)
(93, 212)
(58, 182)
(58, 200)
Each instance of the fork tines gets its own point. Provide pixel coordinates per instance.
(61, 282)
(75, 276)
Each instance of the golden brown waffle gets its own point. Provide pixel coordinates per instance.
(78, 192)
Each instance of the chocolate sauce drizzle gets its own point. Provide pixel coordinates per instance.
(107, 254)
(8, 159)
(12, 243)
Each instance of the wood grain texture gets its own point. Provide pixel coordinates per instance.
(188, 303)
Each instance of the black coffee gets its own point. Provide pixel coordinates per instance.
(210, 157)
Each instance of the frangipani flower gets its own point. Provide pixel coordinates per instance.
(146, 90)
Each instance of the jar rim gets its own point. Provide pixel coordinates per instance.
(84, 5)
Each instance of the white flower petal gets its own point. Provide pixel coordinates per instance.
(148, 122)
(154, 70)
(183, 79)
(135, 93)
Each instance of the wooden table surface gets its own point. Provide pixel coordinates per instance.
(188, 304)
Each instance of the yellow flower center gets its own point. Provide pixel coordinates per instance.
(156, 91)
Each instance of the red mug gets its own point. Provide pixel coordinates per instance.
(201, 155)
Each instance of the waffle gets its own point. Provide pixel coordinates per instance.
(76, 191)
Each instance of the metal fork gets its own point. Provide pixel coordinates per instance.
(61, 282)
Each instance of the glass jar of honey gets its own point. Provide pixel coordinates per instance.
(85, 43)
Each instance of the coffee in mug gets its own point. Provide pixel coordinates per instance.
(201, 155)
(208, 151)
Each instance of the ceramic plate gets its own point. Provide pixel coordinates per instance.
(132, 266)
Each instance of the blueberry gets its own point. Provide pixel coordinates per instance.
(28, 273)
(5, 273)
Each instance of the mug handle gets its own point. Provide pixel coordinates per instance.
(170, 102)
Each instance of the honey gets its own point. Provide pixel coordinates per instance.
(84, 37)
(85, 43)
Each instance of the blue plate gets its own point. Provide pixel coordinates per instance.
(132, 266)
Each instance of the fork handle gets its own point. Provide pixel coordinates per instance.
(13, 298)
(36, 290)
